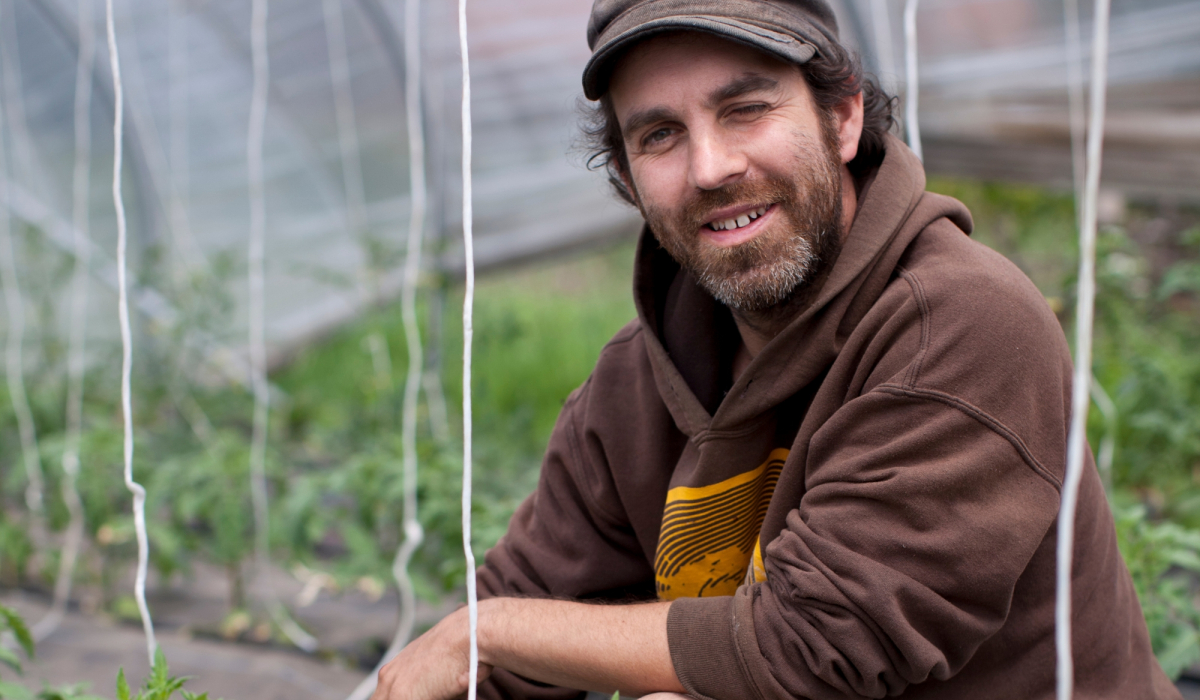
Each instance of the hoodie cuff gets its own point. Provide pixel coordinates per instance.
(703, 635)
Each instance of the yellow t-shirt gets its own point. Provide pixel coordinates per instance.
(709, 540)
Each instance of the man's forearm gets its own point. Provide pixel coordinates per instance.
(577, 645)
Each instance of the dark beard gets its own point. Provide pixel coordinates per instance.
(770, 269)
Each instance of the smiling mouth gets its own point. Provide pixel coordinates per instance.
(738, 222)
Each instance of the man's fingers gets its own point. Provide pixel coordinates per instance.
(666, 696)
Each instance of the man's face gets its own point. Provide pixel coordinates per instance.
(734, 168)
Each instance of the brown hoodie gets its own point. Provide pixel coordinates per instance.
(868, 510)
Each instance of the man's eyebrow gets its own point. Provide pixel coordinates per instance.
(741, 86)
(637, 120)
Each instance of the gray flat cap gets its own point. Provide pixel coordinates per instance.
(795, 30)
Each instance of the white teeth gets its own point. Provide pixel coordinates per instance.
(743, 220)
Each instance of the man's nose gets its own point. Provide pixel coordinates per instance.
(714, 162)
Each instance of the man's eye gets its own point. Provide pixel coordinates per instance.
(657, 136)
(750, 110)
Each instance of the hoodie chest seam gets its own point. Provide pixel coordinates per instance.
(914, 283)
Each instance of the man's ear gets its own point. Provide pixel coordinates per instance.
(849, 114)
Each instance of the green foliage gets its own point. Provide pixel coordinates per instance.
(1147, 332)
(67, 692)
(10, 621)
(1160, 556)
(160, 685)
(537, 336)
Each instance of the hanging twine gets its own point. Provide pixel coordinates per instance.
(139, 493)
(76, 348)
(1082, 379)
(911, 88)
(468, 332)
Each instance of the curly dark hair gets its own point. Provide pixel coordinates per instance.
(832, 79)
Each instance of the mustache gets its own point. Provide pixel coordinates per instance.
(699, 208)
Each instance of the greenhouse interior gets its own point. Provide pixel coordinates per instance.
(267, 337)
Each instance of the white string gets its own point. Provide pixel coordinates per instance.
(1108, 443)
(881, 23)
(1081, 382)
(343, 103)
(14, 369)
(413, 533)
(15, 305)
(81, 189)
(257, 342)
(1075, 107)
(468, 333)
(139, 493)
(911, 89)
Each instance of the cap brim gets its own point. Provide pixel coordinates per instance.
(599, 68)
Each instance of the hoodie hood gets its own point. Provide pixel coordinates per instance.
(690, 337)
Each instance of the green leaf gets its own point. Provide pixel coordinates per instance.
(19, 630)
(12, 691)
(77, 691)
(9, 658)
(158, 673)
(122, 686)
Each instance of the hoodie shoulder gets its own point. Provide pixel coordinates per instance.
(988, 345)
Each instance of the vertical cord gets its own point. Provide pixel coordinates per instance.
(911, 89)
(139, 493)
(343, 104)
(1108, 443)
(1075, 107)
(413, 533)
(257, 341)
(15, 305)
(881, 23)
(1081, 382)
(1077, 118)
(76, 349)
(468, 333)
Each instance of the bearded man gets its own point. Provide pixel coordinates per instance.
(825, 460)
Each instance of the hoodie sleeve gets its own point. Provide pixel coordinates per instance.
(569, 539)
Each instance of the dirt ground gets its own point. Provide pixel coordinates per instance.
(350, 626)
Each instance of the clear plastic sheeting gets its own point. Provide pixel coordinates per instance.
(994, 88)
(993, 104)
(531, 198)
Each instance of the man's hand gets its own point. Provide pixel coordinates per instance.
(575, 645)
(432, 667)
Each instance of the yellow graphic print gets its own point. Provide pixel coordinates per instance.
(710, 533)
